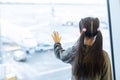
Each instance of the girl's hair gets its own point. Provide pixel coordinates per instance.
(90, 62)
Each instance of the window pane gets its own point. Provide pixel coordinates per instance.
(26, 29)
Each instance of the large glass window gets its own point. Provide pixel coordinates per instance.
(26, 29)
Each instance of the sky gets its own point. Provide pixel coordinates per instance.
(56, 1)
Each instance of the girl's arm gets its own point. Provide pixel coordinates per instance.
(65, 55)
(107, 73)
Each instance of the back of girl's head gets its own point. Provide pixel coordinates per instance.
(90, 24)
(89, 27)
(89, 63)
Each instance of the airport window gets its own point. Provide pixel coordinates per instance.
(26, 29)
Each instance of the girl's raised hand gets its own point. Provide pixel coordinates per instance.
(56, 37)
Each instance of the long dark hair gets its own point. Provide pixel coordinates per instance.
(89, 63)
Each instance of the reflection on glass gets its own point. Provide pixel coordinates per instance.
(26, 29)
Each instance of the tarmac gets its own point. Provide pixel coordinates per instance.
(38, 66)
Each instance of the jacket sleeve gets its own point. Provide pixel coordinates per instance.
(107, 73)
(64, 55)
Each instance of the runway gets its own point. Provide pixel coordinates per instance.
(39, 66)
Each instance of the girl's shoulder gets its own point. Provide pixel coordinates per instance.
(106, 57)
(105, 53)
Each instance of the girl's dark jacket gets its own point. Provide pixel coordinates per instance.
(67, 56)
